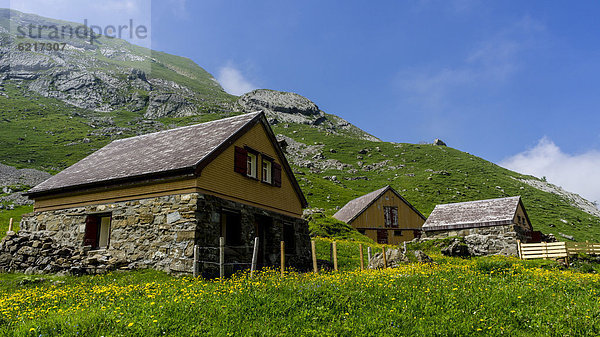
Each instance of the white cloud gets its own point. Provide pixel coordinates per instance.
(233, 81)
(575, 173)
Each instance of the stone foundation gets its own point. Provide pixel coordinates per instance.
(486, 240)
(158, 233)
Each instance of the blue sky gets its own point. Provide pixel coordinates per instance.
(514, 82)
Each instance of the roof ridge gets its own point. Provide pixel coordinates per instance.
(188, 126)
(480, 200)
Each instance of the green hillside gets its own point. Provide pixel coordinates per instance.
(48, 128)
(427, 175)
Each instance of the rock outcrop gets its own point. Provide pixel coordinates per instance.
(396, 258)
(101, 74)
(13, 182)
(289, 107)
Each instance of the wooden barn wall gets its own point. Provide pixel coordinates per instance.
(219, 177)
(116, 195)
(520, 212)
(373, 217)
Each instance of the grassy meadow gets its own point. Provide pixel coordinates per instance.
(489, 296)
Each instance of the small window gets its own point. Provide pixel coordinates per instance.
(390, 215)
(397, 233)
(267, 175)
(251, 165)
(289, 236)
(97, 231)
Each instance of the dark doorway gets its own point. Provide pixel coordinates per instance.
(231, 228)
(263, 226)
(382, 236)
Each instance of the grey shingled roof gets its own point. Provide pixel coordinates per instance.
(175, 150)
(355, 207)
(479, 213)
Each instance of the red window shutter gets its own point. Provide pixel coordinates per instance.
(91, 231)
(241, 159)
(276, 174)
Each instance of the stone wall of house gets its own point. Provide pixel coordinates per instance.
(158, 233)
(251, 219)
(154, 233)
(486, 240)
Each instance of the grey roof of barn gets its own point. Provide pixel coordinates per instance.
(182, 151)
(479, 213)
(355, 207)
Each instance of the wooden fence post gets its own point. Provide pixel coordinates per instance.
(314, 256)
(331, 252)
(10, 225)
(196, 267)
(519, 249)
(384, 258)
(221, 257)
(369, 254)
(362, 263)
(335, 265)
(282, 257)
(587, 247)
(254, 257)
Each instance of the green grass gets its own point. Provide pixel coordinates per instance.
(492, 296)
(6, 215)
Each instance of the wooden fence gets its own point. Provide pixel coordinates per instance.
(253, 264)
(556, 250)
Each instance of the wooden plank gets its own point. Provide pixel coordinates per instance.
(384, 258)
(254, 257)
(362, 263)
(282, 258)
(221, 257)
(314, 256)
(541, 256)
(196, 257)
(335, 264)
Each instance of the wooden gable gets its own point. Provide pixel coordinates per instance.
(374, 215)
(224, 178)
(377, 219)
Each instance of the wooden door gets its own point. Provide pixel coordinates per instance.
(382, 236)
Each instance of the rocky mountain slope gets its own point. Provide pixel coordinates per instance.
(103, 74)
(57, 107)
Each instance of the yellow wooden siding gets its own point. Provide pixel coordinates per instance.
(520, 212)
(219, 177)
(115, 195)
(373, 217)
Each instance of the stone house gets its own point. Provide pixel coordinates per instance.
(383, 215)
(493, 225)
(145, 201)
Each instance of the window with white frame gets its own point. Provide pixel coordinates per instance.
(251, 165)
(267, 171)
